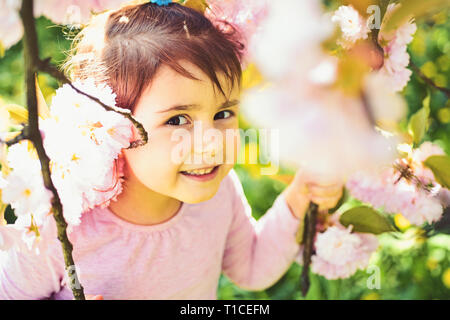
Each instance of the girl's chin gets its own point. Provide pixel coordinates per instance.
(199, 197)
(196, 192)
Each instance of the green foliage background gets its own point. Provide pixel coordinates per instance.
(413, 265)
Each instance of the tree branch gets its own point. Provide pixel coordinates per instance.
(428, 81)
(31, 58)
(47, 67)
(308, 243)
(23, 135)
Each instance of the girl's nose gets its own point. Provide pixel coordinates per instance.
(207, 140)
(209, 150)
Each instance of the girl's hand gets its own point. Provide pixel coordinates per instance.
(307, 187)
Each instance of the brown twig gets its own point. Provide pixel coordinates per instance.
(31, 58)
(428, 81)
(47, 67)
(23, 135)
(308, 243)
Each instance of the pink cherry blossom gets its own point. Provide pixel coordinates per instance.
(318, 131)
(84, 143)
(426, 150)
(23, 187)
(246, 16)
(352, 24)
(396, 194)
(395, 50)
(73, 11)
(11, 29)
(86, 164)
(339, 253)
(289, 38)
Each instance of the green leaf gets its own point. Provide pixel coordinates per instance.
(440, 165)
(2, 50)
(418, 124)
(198, 5)
(366, 219)
(413, 8)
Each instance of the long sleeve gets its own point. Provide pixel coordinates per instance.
(258, 253)
(29, 274)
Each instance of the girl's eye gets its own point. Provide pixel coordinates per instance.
(224, 115)
(177, 121)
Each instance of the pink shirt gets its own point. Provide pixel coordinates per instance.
(178, 259)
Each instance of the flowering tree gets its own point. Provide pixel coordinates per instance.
(62, 182)
(329, 77)
(331, 81)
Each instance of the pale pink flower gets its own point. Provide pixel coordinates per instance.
(387, 107)
(444, 197)
(11, 28)
(12, 236)
(385, 191)
(352, 24)
(27, 194)
(21, 159)
(246, 16)
(85, 161)
(289, 40)
(396, 56)
(23, 187)
(426, 150)
(339, 253)
(84, 143)
(73, 11)
(318, 131)
(20, 237)
(403, 35)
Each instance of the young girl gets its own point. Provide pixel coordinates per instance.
(177, 225)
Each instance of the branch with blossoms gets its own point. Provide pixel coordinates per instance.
(38, 137)
(331, 87)
(334, 93)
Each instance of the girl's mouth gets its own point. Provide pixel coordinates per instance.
(205, 174)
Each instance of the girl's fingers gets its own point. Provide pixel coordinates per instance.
(325, 202)
(325, 191)
(319, 179)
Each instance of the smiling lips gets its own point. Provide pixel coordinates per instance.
(204, 174)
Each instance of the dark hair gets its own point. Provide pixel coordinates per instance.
(124, 48)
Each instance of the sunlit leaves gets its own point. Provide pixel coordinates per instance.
(413, 8)
(418, 125)
(440, 165)
(198, 5)
(366, 219)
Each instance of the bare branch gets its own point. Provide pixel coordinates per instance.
(308, 242)
(428, 81)
(23, 135)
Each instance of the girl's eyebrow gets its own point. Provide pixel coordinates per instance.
(226, 104)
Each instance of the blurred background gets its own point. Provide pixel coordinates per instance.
(413, 264)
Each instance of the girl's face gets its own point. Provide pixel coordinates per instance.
(193, 135)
